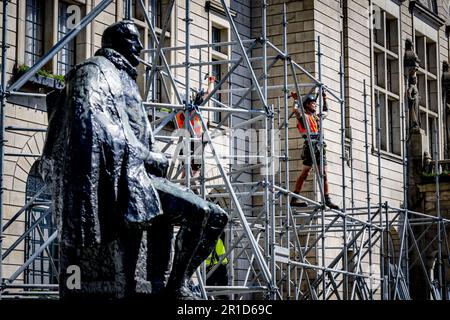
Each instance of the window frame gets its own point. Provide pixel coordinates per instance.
(50, 31)
(141, 24)
(424, 77)
(390, 89)
(63, 64)
(30, 58)
(223, 27)
(217, 116)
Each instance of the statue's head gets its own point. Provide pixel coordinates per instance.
(408, 44)
(123, 37)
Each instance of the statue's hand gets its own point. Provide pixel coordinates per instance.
(157, 164)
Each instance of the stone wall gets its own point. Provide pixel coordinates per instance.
(426, 236)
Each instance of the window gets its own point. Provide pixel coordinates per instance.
(219, 31)
(44, 269)
(34, 31)
(427, 85)
(386, 73)
(430, 5)
(154, 95)
(215, 38)
(136, 10)
(247, 149)
(66, 56)
(154, 10)
(141, 67)
(219, 34)
(216, 72)
(45, 23)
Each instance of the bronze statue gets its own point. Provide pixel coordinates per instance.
(412, 63)
(108, 182)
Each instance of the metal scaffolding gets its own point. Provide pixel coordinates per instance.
(274, 251)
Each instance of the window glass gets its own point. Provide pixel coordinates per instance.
(386, 73)
(66, 56)
(427, 85)
(216, 72)
(34, 31)
(215, 37)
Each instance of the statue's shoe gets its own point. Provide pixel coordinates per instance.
(158, 288)
(183, 293)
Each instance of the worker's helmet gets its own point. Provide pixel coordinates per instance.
(308, 99)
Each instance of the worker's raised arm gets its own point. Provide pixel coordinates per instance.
(297, 113)
(325, 104)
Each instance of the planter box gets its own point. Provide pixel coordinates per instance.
(39, 80)
(431, 179)
(46, 82)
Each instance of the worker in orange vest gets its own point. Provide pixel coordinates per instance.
(309, 105)
(195, 122)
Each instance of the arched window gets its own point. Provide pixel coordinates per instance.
(38, 220)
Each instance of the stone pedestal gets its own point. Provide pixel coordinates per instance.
(417, 146)
(426, 237)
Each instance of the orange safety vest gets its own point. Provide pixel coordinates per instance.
(195, 122)
(313, 124)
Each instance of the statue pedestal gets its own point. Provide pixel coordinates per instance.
(417, 146)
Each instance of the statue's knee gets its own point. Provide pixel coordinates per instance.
(219, 217)
(195, 216)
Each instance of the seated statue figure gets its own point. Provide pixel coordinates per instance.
(108, 183)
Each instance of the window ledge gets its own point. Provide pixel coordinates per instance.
(216, 6)
(214, 125)
(423, 71)
(158, 31)
(219, 55)
(139, 22)
(388, 156)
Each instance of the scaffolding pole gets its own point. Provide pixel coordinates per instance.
(366, 147)
(378, 129)
(2, 130)
(438, 211)
(286, 148)
(343, 178)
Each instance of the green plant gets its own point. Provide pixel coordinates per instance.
(59, 77)
(23, 68)
(43, 73)
(430, 176)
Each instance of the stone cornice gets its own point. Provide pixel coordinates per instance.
(425, 14)
(216, 6)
